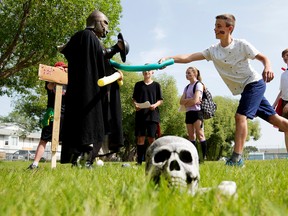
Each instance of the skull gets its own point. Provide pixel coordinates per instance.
(176, 160)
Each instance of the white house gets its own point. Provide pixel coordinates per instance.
(13, 138)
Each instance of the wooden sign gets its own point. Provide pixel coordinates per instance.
(60, 77)
(52, 74)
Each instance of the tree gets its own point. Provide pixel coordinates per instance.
(128, 114)
(31, 31)
(23, 120)
(172, 121)
(38, 27)
(248, 149)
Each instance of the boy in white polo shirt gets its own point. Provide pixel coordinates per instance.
(231, 59)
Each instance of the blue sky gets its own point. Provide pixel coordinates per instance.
(158, 28)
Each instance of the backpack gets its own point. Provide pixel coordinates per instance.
(207, 105)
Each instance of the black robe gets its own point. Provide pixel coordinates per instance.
(91, 112)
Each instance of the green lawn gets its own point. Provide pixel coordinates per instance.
(115, 190)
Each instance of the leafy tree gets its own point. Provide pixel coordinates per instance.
(23, 120)
(31, 31)
(172, 121)
(32, 106)
(128, 114)
(248, 149)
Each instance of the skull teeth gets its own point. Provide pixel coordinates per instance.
(175, 182)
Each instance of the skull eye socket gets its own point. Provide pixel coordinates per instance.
(185, 156)
(162, 156)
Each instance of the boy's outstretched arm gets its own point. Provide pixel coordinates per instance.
(185, 58)
(267, 74)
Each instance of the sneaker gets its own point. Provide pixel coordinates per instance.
(126, 165)
(32, 166)
(88, 165)
(239, 163)
(80, 161)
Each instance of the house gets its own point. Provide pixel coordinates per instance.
(13, 138)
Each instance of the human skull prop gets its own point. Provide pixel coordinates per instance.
(176, 160)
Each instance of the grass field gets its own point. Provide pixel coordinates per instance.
(115, 190)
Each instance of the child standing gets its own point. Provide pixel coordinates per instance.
(148, 118)
(46, 133)
(191, 99)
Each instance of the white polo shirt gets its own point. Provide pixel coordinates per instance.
(232, 64)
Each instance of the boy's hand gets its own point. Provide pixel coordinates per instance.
(160, 61)
(267, 75)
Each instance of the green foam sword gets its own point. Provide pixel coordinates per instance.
(147, 67)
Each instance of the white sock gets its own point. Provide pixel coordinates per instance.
(35, 163)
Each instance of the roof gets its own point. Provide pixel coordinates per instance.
(10, 129)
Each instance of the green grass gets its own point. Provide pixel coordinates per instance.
(114, 190)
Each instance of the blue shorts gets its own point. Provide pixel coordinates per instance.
(253, 103)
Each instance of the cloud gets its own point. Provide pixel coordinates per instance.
(159, 33)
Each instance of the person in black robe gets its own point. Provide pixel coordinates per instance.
(91, 112)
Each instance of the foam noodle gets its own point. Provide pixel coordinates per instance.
(110, 79)
(148, 67)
